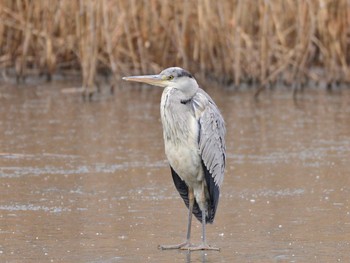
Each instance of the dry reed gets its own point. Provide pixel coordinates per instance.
(260, 41)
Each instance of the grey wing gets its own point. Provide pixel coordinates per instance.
(212, 138)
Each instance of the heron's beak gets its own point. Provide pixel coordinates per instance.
(156, 80)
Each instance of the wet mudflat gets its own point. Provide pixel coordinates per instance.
(89, 182)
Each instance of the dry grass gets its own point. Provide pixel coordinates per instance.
(260, 41)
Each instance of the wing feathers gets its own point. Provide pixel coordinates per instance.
(214, 193)
(211, 137)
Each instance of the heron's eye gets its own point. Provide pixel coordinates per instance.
(170, 77)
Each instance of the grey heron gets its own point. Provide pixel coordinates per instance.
(194, 139)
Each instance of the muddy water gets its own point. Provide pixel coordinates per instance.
(88, 182)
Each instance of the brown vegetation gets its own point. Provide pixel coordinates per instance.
(259, 41)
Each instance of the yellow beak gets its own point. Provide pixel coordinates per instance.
(156, 80)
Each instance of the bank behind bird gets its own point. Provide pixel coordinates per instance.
(194, 140)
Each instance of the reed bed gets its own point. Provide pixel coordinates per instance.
(232, 41)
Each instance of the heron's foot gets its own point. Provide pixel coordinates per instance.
(184, 245)
(201, 247)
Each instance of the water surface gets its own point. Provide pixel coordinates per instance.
(89, 182)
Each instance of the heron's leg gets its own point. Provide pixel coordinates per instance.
(190, 212)
(204, 245)
(186, 244)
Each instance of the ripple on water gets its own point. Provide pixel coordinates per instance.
(14, 171)
(248, 193)
(31, 207)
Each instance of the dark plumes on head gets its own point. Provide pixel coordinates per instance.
(176, 72)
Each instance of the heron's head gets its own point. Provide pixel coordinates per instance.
(173, 77)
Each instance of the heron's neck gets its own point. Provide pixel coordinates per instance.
(186, 88)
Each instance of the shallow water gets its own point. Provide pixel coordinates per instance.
(89, 182)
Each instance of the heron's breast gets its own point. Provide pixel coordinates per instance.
(181, 147)
(180, 130)
(185, 161)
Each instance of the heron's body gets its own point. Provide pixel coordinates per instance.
(193, 131)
